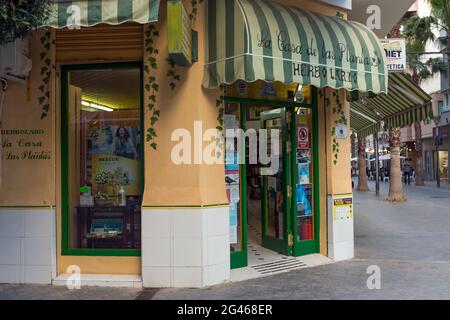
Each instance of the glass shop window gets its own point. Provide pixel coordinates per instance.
(233, 178)
(104, 159)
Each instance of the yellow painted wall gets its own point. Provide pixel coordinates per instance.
(27, 182)
(182, 185)
(338, 175)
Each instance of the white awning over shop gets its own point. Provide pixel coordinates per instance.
(84, 13)
(262, 40)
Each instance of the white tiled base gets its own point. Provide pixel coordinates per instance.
(27, 245)
(185, 247)
(102, 280)
(341, 251)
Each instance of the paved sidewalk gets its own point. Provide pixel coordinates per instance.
(410, 242)
(432, 184)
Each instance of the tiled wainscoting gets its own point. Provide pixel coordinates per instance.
(185, 247)
(27, 245)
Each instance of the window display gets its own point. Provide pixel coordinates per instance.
(104, 159)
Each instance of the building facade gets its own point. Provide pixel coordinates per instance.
(437, 86)
(108, 167)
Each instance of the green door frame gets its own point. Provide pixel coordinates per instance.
(301, 248)
(278, 245)
(239, 259)
(65, 70)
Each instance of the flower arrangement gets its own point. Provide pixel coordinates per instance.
(103, 178)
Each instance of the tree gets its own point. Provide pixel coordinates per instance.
(418, 31)
(396, 193)
(419, 161)
(18, 17)
(362, 176)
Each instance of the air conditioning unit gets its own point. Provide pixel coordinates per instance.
(15, 63)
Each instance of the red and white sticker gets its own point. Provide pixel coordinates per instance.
(303, 138)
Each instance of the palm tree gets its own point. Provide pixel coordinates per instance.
(418, 31)
(396, 193)
(362, 177)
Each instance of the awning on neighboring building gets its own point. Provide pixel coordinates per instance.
(382, 15)
(261, 40)
(84, 13)
(405, 104)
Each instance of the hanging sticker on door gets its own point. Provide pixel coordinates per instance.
(303, 137)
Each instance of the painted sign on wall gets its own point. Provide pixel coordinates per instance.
(25, 144)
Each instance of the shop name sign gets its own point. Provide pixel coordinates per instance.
(323, 61)
(24, 144)
(395, 50)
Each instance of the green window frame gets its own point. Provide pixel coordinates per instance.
(65, 70)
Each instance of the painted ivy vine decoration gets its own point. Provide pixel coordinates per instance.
(46, 72)
(338, 110)
(194, 11)
(220, 123)
(151, 85)
(172, 74)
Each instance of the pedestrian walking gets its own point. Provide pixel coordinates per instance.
(407, 168)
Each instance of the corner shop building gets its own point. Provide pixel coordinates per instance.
(95, 119)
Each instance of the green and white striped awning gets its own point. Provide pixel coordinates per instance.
(86, 13)
(405, 104)
(262, 40)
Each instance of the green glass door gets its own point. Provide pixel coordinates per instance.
(304, 165)
(277, 190)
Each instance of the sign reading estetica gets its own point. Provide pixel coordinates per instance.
(395, 50)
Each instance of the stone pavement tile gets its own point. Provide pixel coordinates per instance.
(409, 242)
(344, 280)
(47, 292)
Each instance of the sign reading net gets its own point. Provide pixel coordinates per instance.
(395, 50)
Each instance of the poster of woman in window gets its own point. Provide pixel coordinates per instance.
(115, 153)
(123, 144)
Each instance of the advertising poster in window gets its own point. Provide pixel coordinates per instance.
(116, 157)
